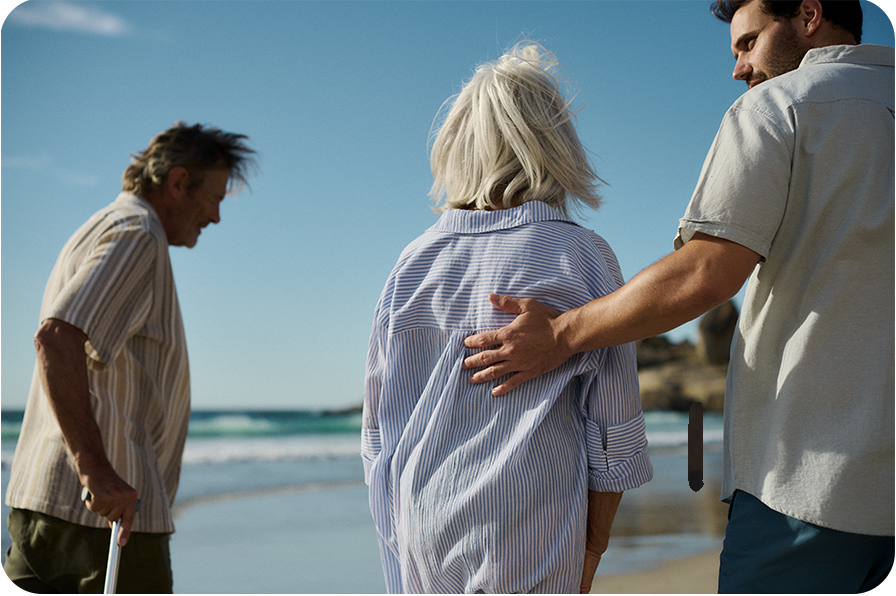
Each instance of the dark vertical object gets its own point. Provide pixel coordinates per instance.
(695, 447)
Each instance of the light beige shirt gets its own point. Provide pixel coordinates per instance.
(801, 172)
(113, 281)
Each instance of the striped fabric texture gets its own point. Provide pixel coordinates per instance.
(470, 492)
(113, 280)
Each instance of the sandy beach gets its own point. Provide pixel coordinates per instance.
(697, 574)
(278, 542)
(678, 535)
(320, 539)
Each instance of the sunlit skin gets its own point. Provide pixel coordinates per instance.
(201, 208)
(184, 208)
(765, 48)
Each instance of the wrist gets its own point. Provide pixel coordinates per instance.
(91, 465)
(567, 333)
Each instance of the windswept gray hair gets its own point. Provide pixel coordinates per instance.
(198, 149)
(509, 138)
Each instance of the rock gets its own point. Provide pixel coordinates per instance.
(676, 385)
(716, 331)
(673, 376)
(658, 350)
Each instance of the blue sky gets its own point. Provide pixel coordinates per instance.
(338, 98)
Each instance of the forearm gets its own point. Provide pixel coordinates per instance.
(701, 275)
(677, 289)
(63, 373)
(62, 365)
(602, 509)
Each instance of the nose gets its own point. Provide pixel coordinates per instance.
(214, 212)
(742, 70)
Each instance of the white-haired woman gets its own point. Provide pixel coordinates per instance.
(469, 492)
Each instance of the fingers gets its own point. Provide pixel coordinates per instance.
(483, 340)
(511, 384)
(127, 520)
(507, 303)
(492, 338)
(508, 351)
(496, 372)
(114, 500)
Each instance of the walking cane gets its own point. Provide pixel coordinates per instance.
(114, 550)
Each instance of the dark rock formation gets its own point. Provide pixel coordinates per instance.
(676, 385)
(716, 331)
(673, 376)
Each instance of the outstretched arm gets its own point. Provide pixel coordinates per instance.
(63, 374)
(687, 283)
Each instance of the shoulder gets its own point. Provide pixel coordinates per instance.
(829, 74)
(130, 216)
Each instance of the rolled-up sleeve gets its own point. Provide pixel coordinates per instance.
(615, 434)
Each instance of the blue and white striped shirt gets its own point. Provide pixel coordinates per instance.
(470, 492)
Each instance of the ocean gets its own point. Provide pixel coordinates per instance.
(305, 467)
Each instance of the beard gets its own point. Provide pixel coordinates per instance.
(787, 55)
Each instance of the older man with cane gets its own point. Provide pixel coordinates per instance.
(110, 397)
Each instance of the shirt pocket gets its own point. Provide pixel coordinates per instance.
(370, 449)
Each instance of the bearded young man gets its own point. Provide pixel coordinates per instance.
(796, 195)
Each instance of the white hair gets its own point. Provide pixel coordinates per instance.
(509, 138)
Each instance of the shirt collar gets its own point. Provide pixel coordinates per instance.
(129, 197)
(463, 221)
(133, 201)
(867, 54)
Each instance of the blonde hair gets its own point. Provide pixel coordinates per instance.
(509, 138)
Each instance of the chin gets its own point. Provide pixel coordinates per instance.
(187, 242)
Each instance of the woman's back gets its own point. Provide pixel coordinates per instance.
(487, 493)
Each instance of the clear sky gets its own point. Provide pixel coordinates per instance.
(338, 98)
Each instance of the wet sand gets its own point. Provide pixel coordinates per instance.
(697, 574)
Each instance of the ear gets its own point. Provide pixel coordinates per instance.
(810, 17)
(178, 181)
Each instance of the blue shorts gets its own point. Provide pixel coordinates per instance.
(769, 552)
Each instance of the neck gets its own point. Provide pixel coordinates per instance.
(831, 35)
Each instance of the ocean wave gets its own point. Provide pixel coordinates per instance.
(261, 423)
(272, 449)
(253, 436)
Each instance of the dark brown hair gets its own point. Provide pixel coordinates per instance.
(846, 14)
(196, 148)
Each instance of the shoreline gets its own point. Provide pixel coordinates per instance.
(179, 508)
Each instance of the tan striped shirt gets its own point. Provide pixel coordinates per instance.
(113, 281)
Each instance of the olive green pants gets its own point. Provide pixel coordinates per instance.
(49, 555)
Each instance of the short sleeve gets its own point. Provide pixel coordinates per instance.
(742, 192)
(109, 293)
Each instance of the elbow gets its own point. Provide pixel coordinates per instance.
(55, 336)
(43, 338)
(710, 289)
(713, 290)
